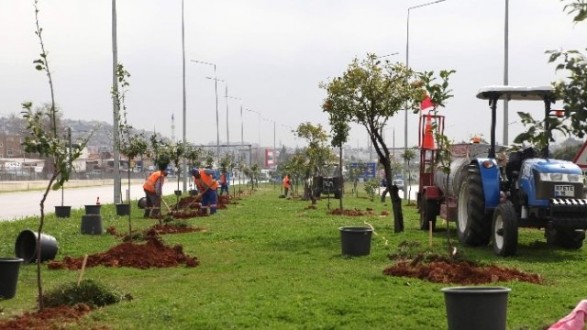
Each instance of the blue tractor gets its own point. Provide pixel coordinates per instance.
(527, 190)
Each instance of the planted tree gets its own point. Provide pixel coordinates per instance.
(317, 154)
(408, 156)
(369, 93)
(47, 143)
(572, 91)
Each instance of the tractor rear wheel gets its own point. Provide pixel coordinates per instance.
(473, 225)
(505, 230)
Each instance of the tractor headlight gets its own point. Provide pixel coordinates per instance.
(559, 177)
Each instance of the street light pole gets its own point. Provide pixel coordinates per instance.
(226, 100)
(241, 101)
(216, 94)
(408, 65)
(505, 73)
(258, 128)
(115, 108)
(183, 173)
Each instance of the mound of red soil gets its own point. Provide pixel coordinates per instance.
(440, 269)
(153, 253)
(351, 213)
(49, 318)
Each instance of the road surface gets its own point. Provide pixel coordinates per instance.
(16, 205)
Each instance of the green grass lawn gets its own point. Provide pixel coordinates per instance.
(272, 263)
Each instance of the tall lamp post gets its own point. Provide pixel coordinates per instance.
(258, 128)
(183, 173)
(115, 108)
(241, 101)
(216, 94)
(505, 72)
(408, 65)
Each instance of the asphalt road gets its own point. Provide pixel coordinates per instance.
(16, 205)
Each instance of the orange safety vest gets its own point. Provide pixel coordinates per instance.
(223, 178)
(152, 181)
(286, 182)
(208, 181)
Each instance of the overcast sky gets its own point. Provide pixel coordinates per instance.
(272, 54)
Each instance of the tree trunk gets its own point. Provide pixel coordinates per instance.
(398, 216)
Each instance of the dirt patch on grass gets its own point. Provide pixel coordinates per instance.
(352, 213)
(151, 254)
(49, 318)
(440, 269)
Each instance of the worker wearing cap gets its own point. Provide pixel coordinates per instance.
(223, 183)
(153, 188)
(286, 185)
(207, 187)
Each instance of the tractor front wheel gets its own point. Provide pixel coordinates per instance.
(565, 238)
(505, 230)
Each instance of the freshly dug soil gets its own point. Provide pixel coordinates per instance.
(167, 228)
(153, 253)
(355, 212)
(440, 269)
(49, 318)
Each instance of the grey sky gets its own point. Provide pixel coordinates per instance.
(272, 54)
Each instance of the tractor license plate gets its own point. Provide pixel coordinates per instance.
(564, 191)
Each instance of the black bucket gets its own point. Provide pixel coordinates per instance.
(91, 224)
(122, 209)
(476, 307)
(26, 246)
(9, 268)
(93, 209)
(62, 211)
(356, 241)
(142, 203)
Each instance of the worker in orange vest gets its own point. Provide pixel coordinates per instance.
(223, 183)
(207, 187)
(153, 188)
(286, 185)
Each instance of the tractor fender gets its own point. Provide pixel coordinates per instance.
(491, 182)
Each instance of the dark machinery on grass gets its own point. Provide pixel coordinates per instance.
(328, 181)
(491, 198)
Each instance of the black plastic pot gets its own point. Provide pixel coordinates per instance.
(62, 211)
(142, 203)
(91, 224)
(26, 246)
(476, 307)
(355, 241)
(92, 209)
(9, 268)
(122, 209)
(177, 192)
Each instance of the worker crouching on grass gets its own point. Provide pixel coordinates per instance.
(153, 188)
(207, 188)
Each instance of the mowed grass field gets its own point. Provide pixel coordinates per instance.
(272, 263)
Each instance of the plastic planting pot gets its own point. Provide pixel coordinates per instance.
(9, 269)
(122, 209)
(355, 241)
(62, 211)
(92, 209)
(91, 224)
(476, 307)
(26, 246)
